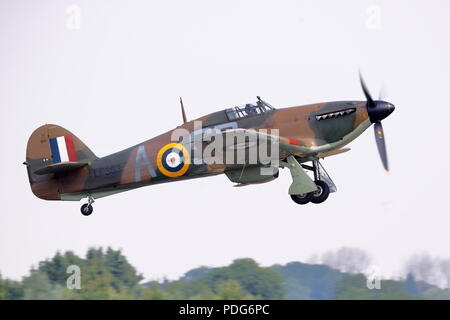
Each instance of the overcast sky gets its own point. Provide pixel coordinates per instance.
(114, 80)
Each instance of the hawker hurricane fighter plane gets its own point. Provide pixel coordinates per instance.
(61, 167)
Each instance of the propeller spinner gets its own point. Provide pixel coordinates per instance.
(378, 110)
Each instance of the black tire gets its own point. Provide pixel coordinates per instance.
(86, 209)
(301, 198)
(322, 193)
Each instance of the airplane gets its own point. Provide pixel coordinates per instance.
(61, 167)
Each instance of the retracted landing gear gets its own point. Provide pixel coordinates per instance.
(87, 209)
(303, 189)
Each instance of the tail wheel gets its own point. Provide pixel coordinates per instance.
(301, 198)
(322, 192)
(86, 209)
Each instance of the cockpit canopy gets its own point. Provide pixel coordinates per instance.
(248, 110)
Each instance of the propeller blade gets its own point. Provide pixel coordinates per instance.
(370, 102)
(381, 145)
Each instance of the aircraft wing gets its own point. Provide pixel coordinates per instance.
(332, 152)
(286, 145)
(290, 146)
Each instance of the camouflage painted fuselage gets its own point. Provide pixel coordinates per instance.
(327, 127)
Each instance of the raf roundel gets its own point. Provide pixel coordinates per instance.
(173, 160)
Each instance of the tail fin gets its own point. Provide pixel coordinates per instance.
(50, 145)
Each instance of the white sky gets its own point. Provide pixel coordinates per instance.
(116, 82)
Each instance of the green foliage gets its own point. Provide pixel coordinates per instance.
(109, 275)
(436, 294)
(96, 280)
(309, 281)
(104, 275)
(154, 292)
(354, 287)
(264, 283)
(243, 279)
(231, 290)
(196, 273)
(10, 290)
(123, 273)
(420, 288)
(37, 286)
(3, 289)
(55, 269)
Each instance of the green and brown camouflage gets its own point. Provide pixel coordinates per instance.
(305, 132)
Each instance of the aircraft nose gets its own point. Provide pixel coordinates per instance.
(380, 111)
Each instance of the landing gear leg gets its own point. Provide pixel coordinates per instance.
(303, 189)
(323, 182)
(87, 209)
(302, 186)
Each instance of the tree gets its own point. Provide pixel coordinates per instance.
(10, 290)
(309, 281)
(429, 269)
(231, 290)
(153, 292)
(56, 268)
(264, 283)
(3, 289)
(123, 273)
(37, 286)
(243, 279)
(95, 277)
(354, 287)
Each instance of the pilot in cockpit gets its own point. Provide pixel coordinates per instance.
(250, 109)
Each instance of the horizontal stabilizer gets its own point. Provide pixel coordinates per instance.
(60, 167)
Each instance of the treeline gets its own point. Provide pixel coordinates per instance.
(104, 275)
(107, 274)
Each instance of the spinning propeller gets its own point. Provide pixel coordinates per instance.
(378, 110)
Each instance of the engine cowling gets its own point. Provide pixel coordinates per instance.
(252, 175)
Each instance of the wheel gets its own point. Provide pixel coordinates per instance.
(301, 198)
(86, 209)
(322, 192)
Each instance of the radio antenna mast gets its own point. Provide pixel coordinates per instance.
(182, 111)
